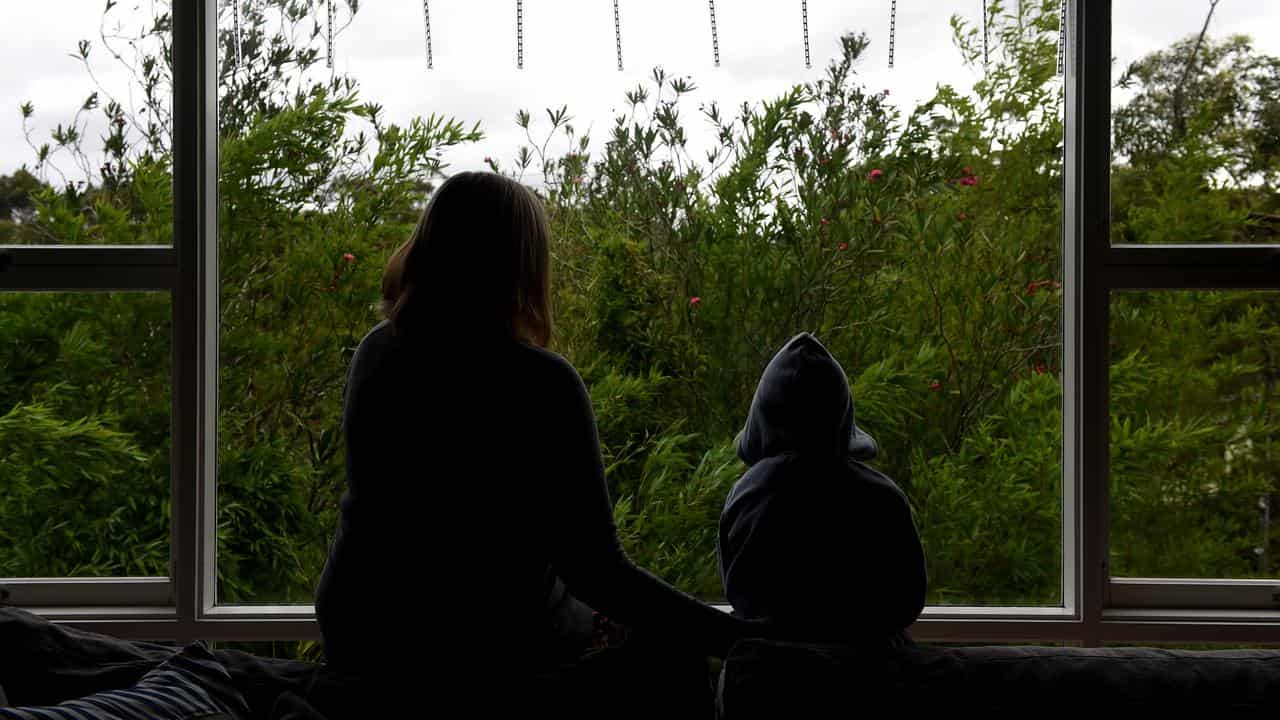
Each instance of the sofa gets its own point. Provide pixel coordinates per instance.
(762, 679)
(42, 664)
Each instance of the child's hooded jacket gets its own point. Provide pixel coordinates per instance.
(812, 538)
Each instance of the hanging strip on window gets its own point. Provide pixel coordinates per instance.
(333, 19)
(715, 33)
(1062, 39)
(520, 34)
(617, 32)
(426, 17)
(235, 18)
(986, 35)
(893, 28)
(804, 20)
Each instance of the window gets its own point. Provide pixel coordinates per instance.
(1190, 314)
(958, 256)
(661, 272)
(86, 312)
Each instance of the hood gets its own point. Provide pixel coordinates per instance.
(803, 405)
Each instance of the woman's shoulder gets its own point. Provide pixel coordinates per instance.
(546, 364)
(377, 339)
(372, 348)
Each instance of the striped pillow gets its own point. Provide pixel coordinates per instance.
(191, 684)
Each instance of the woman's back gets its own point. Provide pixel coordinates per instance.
(444, 521)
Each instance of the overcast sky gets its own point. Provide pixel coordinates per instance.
(569, 55)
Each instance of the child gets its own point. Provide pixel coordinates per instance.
(812, 539)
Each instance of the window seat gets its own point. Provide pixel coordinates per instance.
(763, 679)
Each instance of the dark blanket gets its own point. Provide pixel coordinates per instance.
(42, 663)
(770, 680)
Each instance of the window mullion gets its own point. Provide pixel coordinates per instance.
(1191, 277)
(106, 593)
(1088, 155)
(87, 268)
(1244, 257)
(194, 145)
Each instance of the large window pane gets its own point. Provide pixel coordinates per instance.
(85, 133)
(1194, 412)
(916, 230)
(84, 434)
(1196, 122)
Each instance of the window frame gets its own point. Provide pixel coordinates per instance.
(1096, 608)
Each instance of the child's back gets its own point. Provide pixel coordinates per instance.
(811, 538)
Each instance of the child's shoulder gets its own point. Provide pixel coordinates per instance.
(874, 482)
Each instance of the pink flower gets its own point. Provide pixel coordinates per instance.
(886, 92)
(348, 257)
(1041, 369)
(970, 180)
(875, 175)
(844, 246)
(695, 301)
(935, 386)
(1032, 287)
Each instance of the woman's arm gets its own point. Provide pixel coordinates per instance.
(585, 549)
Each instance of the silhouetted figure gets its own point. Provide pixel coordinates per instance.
(811, 538)
(476, 529)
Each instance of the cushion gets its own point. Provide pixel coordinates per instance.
(762, 679)
(188, 685)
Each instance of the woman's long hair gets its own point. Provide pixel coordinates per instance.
(477, 262)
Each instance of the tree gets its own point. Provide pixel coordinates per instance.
(17, 193)
(1219, 95)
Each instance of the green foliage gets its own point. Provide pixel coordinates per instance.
(668, 522)
(48, 519)
(84, 447)
(990, 513)
(1193, 427)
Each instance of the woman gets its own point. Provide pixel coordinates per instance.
(476, 524)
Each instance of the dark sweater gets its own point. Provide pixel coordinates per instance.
(811, 538)
(476, 519)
